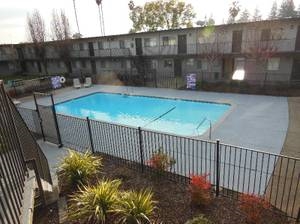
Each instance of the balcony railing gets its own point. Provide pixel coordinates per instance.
(8, 57)
(113, 52)
(219, 48)
(274, 45)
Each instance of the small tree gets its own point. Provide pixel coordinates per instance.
(60, 28)
(37, 31)
(274, 11)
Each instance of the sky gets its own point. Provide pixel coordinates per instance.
(13, 15)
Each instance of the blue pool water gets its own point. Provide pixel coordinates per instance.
(182, 117)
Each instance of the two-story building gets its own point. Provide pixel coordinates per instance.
(264, 50)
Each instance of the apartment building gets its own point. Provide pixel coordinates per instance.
(264, 50)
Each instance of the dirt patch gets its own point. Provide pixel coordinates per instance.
(46, 215)
(173, 198)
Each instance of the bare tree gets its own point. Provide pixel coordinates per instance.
(37, 32)
(213, 46)
(260, 45)
(61, 33)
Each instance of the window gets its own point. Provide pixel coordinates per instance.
(168, 41)
(265, 35)
(83, 64)
(58, 64)
(122, 44)
(102, 64)
(273, 64)
(149, 42)
(152, 64)
(168, 63)
(81, 46)
(202, 64)
(123, 64)
(100, 45)
(190, 62)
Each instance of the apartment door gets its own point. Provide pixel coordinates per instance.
(93, 65)
(296, 70)
(91, 49)
(237, 37)
(297, 46)
(177, 67)
(182, 44)
(227, 68)
(138, 46)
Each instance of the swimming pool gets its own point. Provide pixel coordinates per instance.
(182, 117)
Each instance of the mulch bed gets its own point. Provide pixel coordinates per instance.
(173, 198)
(46, 215)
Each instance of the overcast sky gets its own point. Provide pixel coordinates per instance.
(13, 14)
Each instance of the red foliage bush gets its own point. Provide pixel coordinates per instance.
(161, 161)
(200, 189)
(253, 207)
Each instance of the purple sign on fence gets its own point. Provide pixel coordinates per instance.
(55, 81)
(191, 80)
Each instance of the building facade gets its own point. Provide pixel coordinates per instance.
(264, 50)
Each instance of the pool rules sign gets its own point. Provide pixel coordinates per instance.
(191, 80)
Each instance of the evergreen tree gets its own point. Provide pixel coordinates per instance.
(287, 9)
(256, 15)
(245, 16)
(273, 14)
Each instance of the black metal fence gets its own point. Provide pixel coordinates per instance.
(232, 169)
(18, 154)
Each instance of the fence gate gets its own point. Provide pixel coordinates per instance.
(45, 108)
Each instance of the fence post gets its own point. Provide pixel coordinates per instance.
(55, 121)
(39, 117)
(141, 148)
(218, 169)
(90, 134)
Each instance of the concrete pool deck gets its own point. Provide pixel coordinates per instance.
(258, 122)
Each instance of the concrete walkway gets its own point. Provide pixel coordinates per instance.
(287, 171)
(258, 122)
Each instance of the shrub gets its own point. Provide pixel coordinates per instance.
(93, 203)
(200, 189)
(161, 161)
(199, 220)
(253, 207)
(135, 207)
(77, 168)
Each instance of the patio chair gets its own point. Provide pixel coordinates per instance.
(88, 82)
(76, 83)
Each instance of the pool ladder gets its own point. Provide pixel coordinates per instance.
(210, 126)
